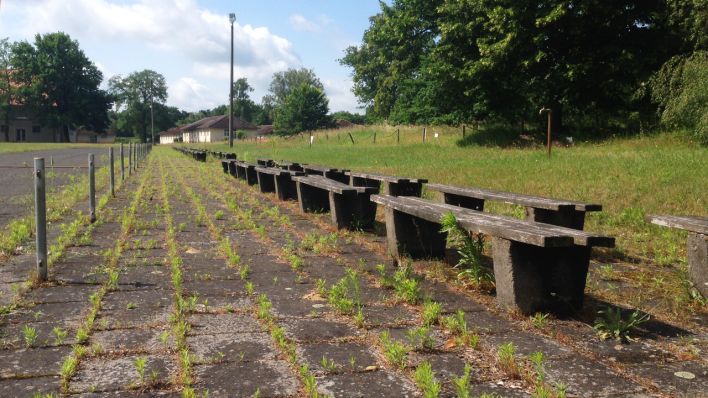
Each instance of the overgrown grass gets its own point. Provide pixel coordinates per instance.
(10, 147)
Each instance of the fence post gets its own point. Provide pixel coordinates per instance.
(424, 134)
(122, 172)
(92, 189)
(113, 181)
(463, 130)
(40, 218)
(374, 137)
(130, 158)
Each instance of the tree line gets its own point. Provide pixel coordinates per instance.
(599, 65)
(55, 80)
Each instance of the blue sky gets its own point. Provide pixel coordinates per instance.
(188, 40)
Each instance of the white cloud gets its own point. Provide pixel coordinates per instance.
(188, 93)
(340, 95)
(302, 24)
(179, 27)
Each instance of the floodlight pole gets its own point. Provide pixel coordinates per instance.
(232, 19)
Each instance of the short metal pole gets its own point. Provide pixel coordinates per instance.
(122, 164)
(110, 162)
(92, 189)
(398, 136)
(130, 158)
(40, 217)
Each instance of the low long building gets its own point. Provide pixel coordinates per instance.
(209, 129)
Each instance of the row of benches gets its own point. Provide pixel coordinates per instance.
(539, 263)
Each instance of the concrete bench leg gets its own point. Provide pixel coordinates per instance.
(698, 261)
(412, 236)
(364, 212)
(240, 173)
(403, 189)
(251, 176)
(341, 208)
(266, 182)
(311, 199)
(463, 201)
(531, 278)
(225, 167)
(569, 219)
(285, 187)
(232, 169)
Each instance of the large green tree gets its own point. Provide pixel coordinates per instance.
(244, 107)
(58, 81)
(135, 94)
(305, 108)
(285, 82)
(456, 60)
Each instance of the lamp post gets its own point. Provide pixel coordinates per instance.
(232, 19)
(152, 117)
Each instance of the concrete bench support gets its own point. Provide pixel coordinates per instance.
(568, 218)
(532, 278)
(311, 199)
(285, 187)
(463, 201)
(266, 182)
(412, 236)
(697, 248)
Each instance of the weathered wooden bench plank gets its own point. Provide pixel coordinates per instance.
(349, 206)
(695, 224)
(536, 266)
(566, 213)
(696, 245)
(394, 186)
(329, 172)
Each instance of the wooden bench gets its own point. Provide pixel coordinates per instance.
(696, 245)
(292, 166)
(536, 266)
(349, 206)
(394, 186)
(328, 172)
(566, 213)
(272, 179)
(246, 171)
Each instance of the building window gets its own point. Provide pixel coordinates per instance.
(36, 129)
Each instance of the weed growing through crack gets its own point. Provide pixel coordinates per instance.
(539, 320)
(611, 324)
(345, 295)
(30, 335)
(457, 325)
(59, 335)
(249, 288)
(431, 313)
(420, 338)
(328, 365)
(426, 381)
(462, 383)
(507, 361)
(395, 351)
(470, 249)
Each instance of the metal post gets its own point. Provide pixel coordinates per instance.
(110, 168)
(40, 218)
(232, 18)
(92, 189)
(374, 137)
(398, 135)
(130, 158)
(122, 164)
(463, 130)
(548, 139)
(425, 133)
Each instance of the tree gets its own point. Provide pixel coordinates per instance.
(305, 108)
(135, 95)
(454, 60)
(243, 105)
(6, 88)
(58, 81)
(284, 83)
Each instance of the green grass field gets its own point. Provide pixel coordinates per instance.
(663, 174)
(8, 147)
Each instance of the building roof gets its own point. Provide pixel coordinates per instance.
(218, 122)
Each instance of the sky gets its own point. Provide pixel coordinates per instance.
(187, 41)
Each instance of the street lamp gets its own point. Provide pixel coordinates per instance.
(232, 19)
(152, 116)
